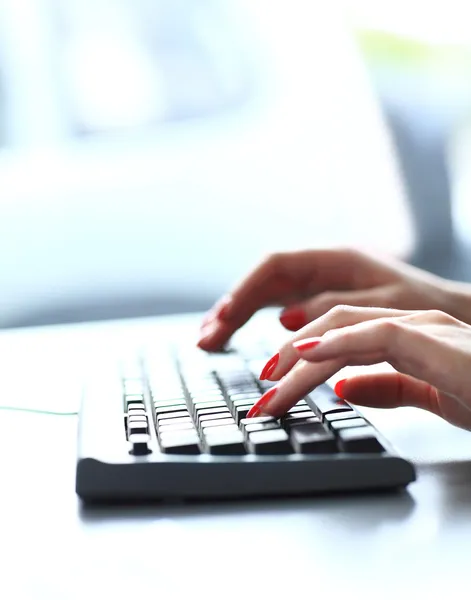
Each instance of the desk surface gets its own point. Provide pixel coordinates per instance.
(53, 548)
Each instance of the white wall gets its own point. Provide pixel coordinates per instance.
(189, 207)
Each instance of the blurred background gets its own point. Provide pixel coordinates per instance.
(151, 151)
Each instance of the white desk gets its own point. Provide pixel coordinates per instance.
(390, 545)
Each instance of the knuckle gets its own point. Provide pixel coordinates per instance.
(390, 327)
(438, 316)
(390, 331)
(324, 302)
(339, 311)
(435, 315)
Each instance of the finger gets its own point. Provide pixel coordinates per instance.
(282, 277)
(427, 351)
(301, 380)
(392, 390)
(296, 316)
(387, 390)
(337, 318)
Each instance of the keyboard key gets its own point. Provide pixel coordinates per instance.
(184, 442)
(273, 441)
(167, 410)
(215, 417)
(173, 415)
(136, 406)
(137, 419)
(313, 438)
(139, 443)
(218, 429)
(133, 399)
(240, 412)
(169, 403)
(245, 402)
(289, 419)
(229, 443)
(251, 388)
(235, 377)
(260, 427)
(359, 439)
(217, 422)
(347, 424)
(220, 408)
(213, 412)
(290, 424)
(299, 408)
(256, 421)
(216, 397)
(140, 427)
(208, 405)
(174, 421)
(323, 401)
(137, 412)
(176, 427)
(342, 416)
(244, 396)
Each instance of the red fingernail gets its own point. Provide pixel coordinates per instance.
(306, 345)
(338, 388)
(293, 318)
(257, 408)
(269, 367)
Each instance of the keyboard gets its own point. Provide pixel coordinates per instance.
(176, 428)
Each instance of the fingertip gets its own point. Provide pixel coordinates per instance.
(270, 367)
(293, 318)
(339, 388)
(207, 335)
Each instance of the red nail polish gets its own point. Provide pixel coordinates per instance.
(338, 388)
(293, 318)
(257, 408)
(303, 345)
(269, 367)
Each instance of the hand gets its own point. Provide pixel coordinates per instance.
(309, 283)
(430, 350)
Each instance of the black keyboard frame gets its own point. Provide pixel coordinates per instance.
(107, 471)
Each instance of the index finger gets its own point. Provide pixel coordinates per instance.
(279, 280)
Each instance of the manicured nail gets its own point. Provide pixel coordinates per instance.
(338, 388)
(304, 345)
(293, 318)
(269, 367)
(256, 409)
